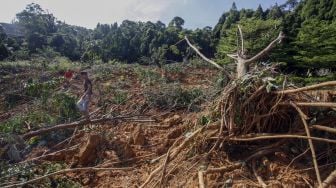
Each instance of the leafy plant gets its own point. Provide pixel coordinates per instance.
(41, 90)
(148, 77)
(65, 107)
(175, 97)
(19, 124)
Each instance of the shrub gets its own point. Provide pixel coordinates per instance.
(148, 77)
(174, 97)
(174, 68)
(18, 124)
(65, 107)
(42, 90)
(61, 64)
(198, 63)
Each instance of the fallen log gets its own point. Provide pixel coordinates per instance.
(80, 123)
(312, 87)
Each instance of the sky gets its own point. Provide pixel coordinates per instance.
(87, 13)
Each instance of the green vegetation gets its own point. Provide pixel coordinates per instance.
(148, 77)
(309, 26)
(120, 97)
(63, 109)
(174, 97)
(26, 171)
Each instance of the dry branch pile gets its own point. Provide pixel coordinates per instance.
(251, 122)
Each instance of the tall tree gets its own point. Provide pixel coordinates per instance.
(259, 13)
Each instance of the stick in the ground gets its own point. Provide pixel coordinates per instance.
(201, 179)
(167, 161)
(173, 155)
(310, 141)
(260, 180)
(330, 179)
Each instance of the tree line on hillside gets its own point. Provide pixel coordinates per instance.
(309, 26)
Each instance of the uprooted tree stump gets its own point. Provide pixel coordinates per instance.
(259, 119)
(256, 122)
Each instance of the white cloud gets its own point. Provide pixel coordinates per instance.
(149, 9)
(89, 12)
(197, 13)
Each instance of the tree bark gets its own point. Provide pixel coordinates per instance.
(242, 67)
(242, 62)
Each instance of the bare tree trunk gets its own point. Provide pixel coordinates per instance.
(242, 62)
(242, 67)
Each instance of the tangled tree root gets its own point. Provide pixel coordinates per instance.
(253, 119)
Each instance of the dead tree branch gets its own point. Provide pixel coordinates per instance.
(201, 179)
(207, 59)
(330, 179)
(242, 62)
(203, 56)
(266, 50)
(258, 137)
(242, 40)
(324, 128)
(312, 87)
(79, 123)
(311, 145)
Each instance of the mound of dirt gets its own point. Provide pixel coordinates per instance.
(138, 136)
(123, 150)
(88, 152)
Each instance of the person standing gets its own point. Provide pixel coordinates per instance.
(84, 102)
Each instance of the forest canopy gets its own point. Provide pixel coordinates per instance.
(309, 26)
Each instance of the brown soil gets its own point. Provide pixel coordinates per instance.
(126, 144)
